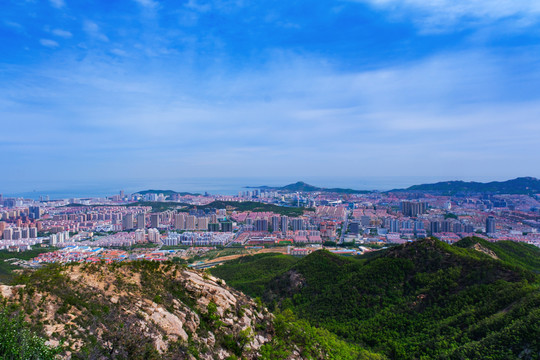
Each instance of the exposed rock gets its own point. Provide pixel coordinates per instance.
(131, 306)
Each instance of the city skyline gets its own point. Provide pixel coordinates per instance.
(136, 90)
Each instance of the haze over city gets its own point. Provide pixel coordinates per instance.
(134, 91)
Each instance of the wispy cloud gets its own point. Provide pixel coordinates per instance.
(49, 43)
(446, 15)
(57, 3)
(147, 3)
(62, 33)
(93, 30)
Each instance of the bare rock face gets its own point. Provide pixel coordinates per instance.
(140, 310)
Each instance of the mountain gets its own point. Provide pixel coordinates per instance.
(301, 186)
(425, 299)
(167, 193)
(135, 310)
(521, 185)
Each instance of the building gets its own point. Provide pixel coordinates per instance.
(127, 222)
(284, 224)
(179, 221)
(141, 221)
(202, 223)
(261, 225)
(434, 227)
(34, 212)
(154, 221)
(153, 235)
(191, 222)
(413, 208)
(490, 225)
(226, 226)
(275, 223)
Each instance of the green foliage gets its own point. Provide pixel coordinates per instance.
(17, 342)
(255, 207)
(421, 300)
(6, 268)
(250, 274)
(313, 343)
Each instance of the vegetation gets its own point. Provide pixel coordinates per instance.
(293, 335)
(250, 274)
(17, 342)
(303, 187)
(255, 207)
(421, 300)
(159, 206)
(522, 185)
(7, 268)
(164, 192)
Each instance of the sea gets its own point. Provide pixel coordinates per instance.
(224, 186)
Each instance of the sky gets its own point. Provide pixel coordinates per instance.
(104, 92)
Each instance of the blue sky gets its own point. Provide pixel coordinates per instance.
(113, 91)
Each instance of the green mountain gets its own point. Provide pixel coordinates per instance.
(521, 185)
(301, 186)
(167, 193)
(421, 300)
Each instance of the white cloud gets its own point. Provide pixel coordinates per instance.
(62, 33)
(93, 30)
(48, 43)
(147, 3)
(58, 3)
(443, 15)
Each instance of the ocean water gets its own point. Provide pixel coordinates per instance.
(224, 186)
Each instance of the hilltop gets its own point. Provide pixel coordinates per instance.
(167, 193)
(301, 186)
(425, 299)
(521, 185)
(138, 310)
(149, 310)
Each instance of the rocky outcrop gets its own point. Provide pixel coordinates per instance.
(140, 310)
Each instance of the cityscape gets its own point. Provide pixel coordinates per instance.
(269, 180)
(352, 222)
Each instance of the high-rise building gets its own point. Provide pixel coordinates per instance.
(261, 225)
(154, 221)
(284, 224)
(179, 221)
(413, 208)
(275, 223)
(191, 222)
(8, 234)
(34, 212)
(127, 222)
(434, 227)
(298, 224)
(490, 225)
(226, 226)
(202, 223)
(32, 232)
(153, 235)
(213, 227)
(141, 221)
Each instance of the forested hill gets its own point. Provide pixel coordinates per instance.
(522, 185)
(421, 300)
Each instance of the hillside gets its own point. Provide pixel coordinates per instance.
(138, 310)
(421, 300)
(147, 310)
(252, 206)
(522, 185)
(167, 193)
(301, 186)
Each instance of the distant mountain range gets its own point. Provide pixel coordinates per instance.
(521, 185)
(164, 192)
(301, 186)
